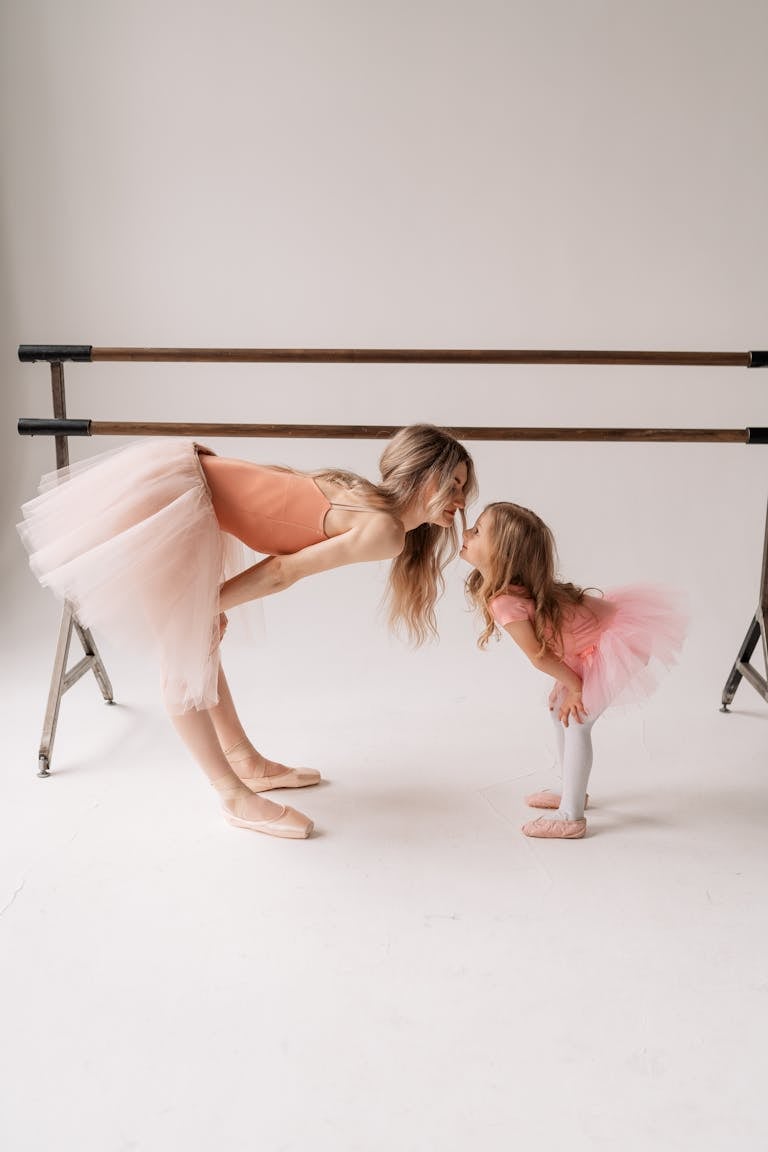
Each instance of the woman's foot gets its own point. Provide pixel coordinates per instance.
(262, 775)
(243, 810)
(547, 799)
(547, 829)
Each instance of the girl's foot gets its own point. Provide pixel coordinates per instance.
(243, 810)
(262, 775)
(547, 799)
(547, 829)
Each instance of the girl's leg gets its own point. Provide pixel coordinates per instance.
(548, 798)
(557, 724)
(240, 806)
(253, 769)
(577, 765)
(567, 822)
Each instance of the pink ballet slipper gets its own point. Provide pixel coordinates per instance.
(546, 829)
(547, 799)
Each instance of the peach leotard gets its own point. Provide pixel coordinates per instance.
(274, 511)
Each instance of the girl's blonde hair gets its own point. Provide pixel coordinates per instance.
(523, 555)
(413, 457)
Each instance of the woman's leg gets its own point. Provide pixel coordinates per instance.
(253, 769)
(226, 721)
(197, 731)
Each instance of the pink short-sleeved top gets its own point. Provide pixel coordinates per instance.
(583, 624)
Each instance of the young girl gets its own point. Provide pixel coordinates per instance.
(138, 540)
(598, 649)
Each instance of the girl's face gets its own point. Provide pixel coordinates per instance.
(478, 545)
(443, 518)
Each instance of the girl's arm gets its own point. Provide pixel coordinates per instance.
(524, 636)
(379, 537)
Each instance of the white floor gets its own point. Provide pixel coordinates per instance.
(416, 976)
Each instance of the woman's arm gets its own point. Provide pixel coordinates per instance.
(378, 537)
(524, 636)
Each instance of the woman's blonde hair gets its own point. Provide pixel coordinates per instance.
(523, 555)
(414, 456)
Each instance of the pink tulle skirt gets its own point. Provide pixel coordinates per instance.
(131, 539)
(641, 638)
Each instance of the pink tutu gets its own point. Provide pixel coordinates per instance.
(640, 637)
(131, 539)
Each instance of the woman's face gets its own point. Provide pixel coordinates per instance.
(443, 517)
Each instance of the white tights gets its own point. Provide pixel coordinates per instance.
(574, 755)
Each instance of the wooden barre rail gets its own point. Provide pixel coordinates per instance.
(87, 353)
(56, 354)
(74, 427)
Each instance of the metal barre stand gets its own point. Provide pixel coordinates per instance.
(755, 632)
(61, 679)
(62, 428)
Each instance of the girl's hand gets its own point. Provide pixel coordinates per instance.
(571, 707)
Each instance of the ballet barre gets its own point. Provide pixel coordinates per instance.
(87, 354)
(29, 426)
(61, 427)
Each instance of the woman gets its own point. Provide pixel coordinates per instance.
(140, 540)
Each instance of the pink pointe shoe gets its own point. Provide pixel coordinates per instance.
(547, 799)
(285, 822)
(274, 775)
(288, 823)
(545, 829)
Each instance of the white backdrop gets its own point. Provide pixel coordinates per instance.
(460, 173)
(406, 174)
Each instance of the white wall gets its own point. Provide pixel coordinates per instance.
(550, 174)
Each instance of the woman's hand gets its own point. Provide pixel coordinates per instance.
(378, 536)
(219, 629)
(571, 707)
(217, 632)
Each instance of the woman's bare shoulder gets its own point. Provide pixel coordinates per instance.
(386, 529)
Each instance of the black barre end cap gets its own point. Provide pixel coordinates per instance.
(757, 435)
(28, 426)
(758, 360)
(30, 353)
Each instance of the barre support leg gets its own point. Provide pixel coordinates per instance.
(742, 668)
(756, 631)
(61, 680)
(55, 693)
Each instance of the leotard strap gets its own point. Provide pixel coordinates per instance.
(353, 507)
